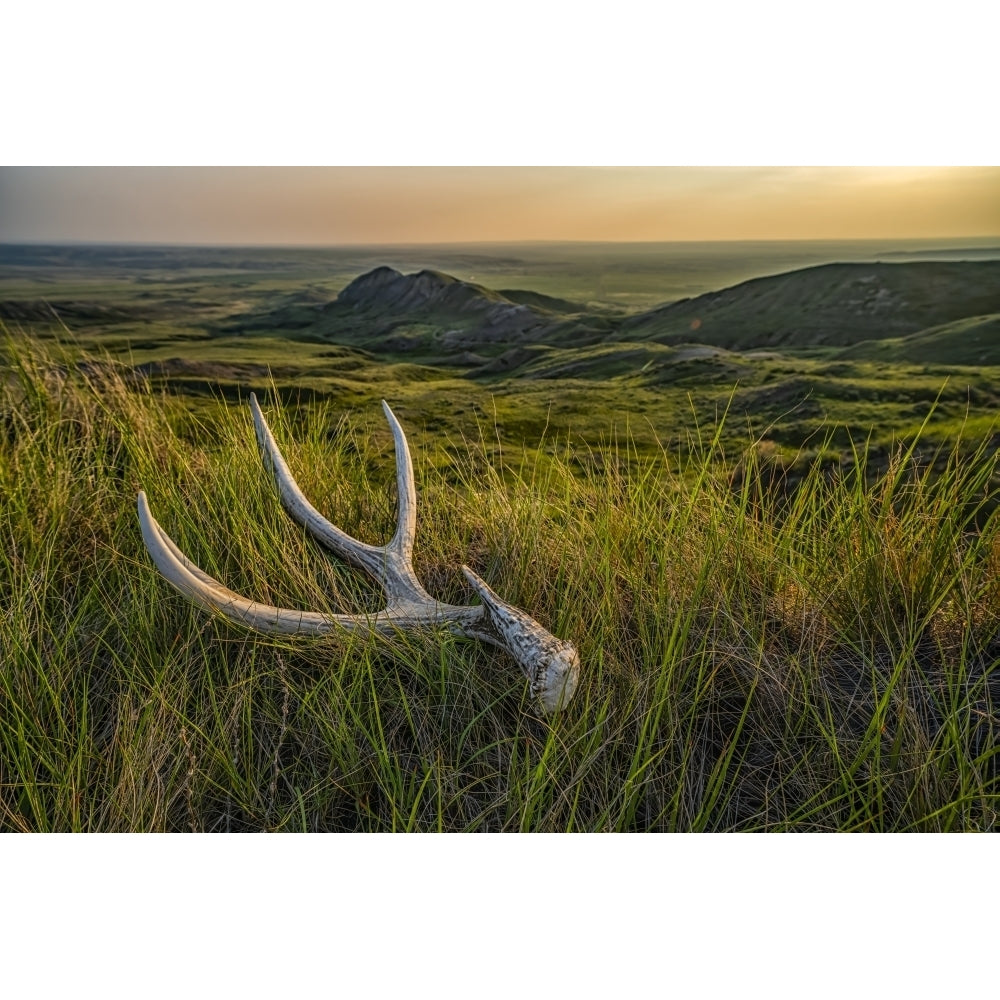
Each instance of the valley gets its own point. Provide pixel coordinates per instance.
(552, 344)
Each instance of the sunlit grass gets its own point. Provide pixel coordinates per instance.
(755, 657)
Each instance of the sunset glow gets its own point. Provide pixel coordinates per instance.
(320, 205)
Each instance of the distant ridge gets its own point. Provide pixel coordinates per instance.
(385, 288)
(973, 340)
(953, 253)
(833, 305)
(385, 298)
(828, 305)
(441, 317)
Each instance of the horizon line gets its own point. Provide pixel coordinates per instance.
(473, 243)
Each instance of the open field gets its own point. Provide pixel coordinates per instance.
(211, 322)
(780, 561)
(611, 275)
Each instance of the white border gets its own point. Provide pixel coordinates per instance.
(539, 82)
(228, 915)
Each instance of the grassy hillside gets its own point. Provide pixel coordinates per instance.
(973, 340)
(537, 396)
(832, 305)
(780, 563)
(752, 659)
(444, 349)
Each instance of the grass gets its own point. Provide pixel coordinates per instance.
(831, 305)
(756, 655)
(210, 322)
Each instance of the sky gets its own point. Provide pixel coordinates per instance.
(357, 205)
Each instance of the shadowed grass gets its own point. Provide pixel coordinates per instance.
(755, 656)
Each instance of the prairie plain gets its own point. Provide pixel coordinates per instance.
(756, 483)
(810, 360)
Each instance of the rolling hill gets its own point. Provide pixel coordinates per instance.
(857, 351)
(435, 315)
(974, 340)
(428, 311)
(831, 305)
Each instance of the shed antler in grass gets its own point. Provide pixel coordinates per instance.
(552, 665)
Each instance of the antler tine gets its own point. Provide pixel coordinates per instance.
(391, 565)
(208, 593)
(406, 527)
(370, 558)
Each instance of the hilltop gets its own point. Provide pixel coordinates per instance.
(834, 305)
(972, 340)
(446, 320)
(427, 312)
(473, 315)
(831, 305)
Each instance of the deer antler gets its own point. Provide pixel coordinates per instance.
(551, 665)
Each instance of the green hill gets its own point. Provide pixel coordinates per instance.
(971, 341)
(441, 318)
(831, 305)
(400, 313)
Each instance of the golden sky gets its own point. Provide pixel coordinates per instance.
(346, 205)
